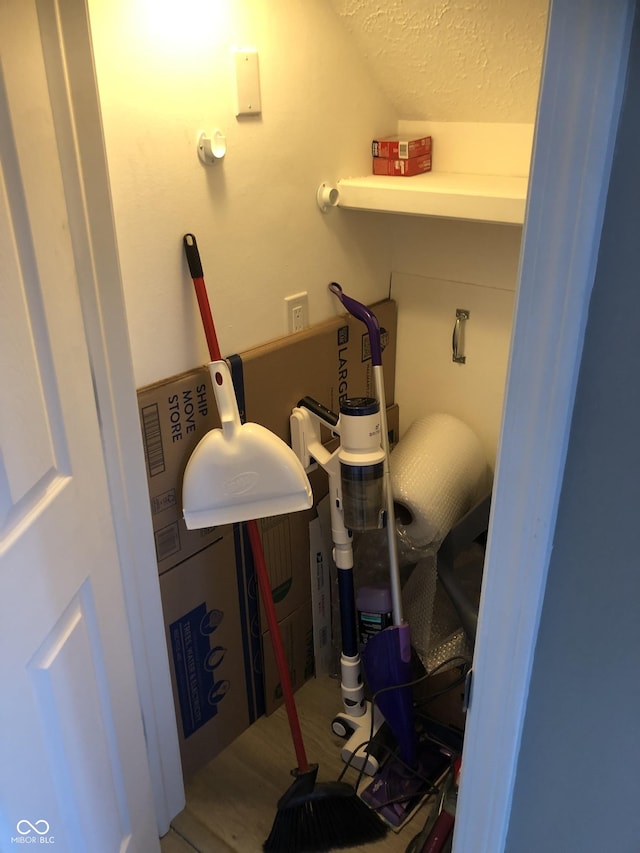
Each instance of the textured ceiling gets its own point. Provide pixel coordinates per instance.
(452, 60)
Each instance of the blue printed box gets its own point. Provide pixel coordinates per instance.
(213, 637)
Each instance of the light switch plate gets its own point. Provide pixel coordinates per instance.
(247, 82)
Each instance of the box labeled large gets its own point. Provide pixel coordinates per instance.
(214, 654)
(329, 362)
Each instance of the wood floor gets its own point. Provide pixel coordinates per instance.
(231, 803)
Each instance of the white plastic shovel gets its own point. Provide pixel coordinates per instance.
(242, 471)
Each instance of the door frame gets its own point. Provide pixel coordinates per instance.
(76, 109)
(585, 67)
(583, 81)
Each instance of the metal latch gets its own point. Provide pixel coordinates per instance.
(466, 696)
(462, 315)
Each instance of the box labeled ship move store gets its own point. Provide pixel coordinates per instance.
(174, 415)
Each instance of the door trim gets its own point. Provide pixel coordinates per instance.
(76, 107)
(581, 94)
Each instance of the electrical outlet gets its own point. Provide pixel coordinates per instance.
(297, 311)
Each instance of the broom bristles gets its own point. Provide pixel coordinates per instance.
(329, 817)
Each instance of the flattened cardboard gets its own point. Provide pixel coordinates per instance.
(328, 361)
(285, 544)
(297, 639)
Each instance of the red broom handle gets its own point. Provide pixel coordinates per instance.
(276, 642)
(195, 267)
(207, 319)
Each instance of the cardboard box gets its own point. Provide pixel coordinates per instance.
(285, 543)
(396, 148)
(174, 415)
(214, 652)
(320, 570)
(297, 639)
(444, 698)
(328, 361)
(294, 595)
(402, 168)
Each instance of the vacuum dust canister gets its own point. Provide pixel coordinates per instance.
(361, 463)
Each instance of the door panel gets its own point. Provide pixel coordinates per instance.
(73, 765)
(73, 720)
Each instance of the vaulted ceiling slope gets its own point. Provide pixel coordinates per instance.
(452, 60)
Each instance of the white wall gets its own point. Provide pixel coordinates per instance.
(452, 60)
(164, 73)
(440, 265)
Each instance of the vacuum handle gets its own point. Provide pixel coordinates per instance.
(320, 411)
(361, 312)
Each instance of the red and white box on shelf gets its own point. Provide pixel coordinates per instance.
(403, 168)
(398, 148)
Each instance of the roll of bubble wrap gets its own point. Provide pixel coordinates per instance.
(438, 470)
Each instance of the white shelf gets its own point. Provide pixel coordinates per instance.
(484, 198)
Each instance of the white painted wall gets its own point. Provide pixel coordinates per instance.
(441, 265)
(164, 73)
(452, 60)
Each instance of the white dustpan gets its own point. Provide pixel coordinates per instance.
(242, 471)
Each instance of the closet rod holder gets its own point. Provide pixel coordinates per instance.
(327, 197)
(211, 149)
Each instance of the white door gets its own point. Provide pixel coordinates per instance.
(73, 765)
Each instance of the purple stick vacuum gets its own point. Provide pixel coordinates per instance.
(386, 658)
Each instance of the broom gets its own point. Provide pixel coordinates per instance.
(311, 815)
